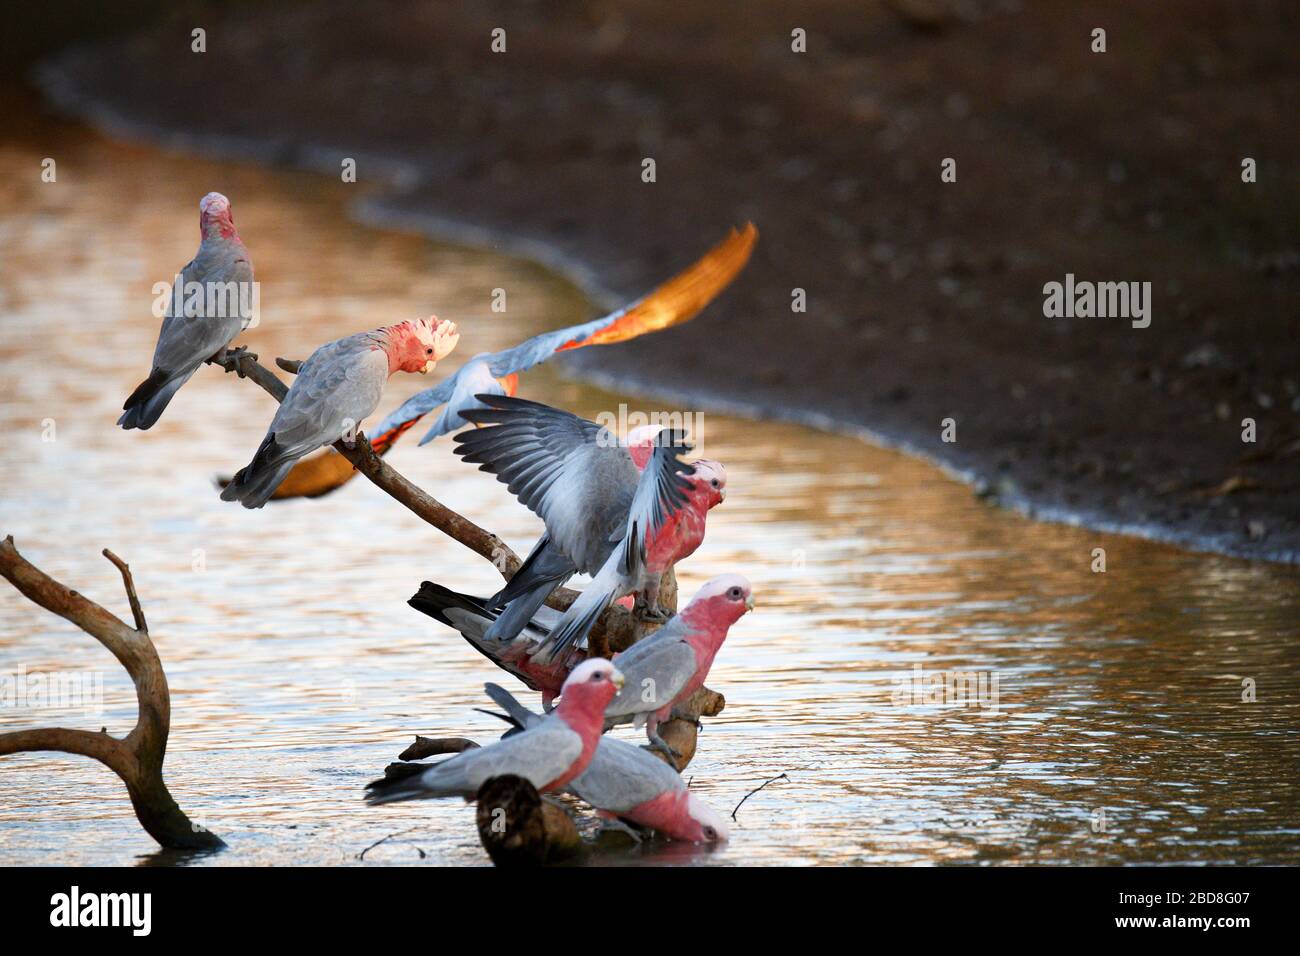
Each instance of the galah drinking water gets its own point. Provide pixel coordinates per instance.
(582, 482)
(548, 754)
(664, 669)
(625, 782)
(678, 300)
(338, 386)
(216, 286)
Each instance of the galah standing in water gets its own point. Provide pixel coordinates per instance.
(665, 668)
(678, 300)
(338, 386)
(548, 754)
(186, 341)
(582, 482)
(624, 782)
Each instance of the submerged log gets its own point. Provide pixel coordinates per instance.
(138, 757)
(518, 827)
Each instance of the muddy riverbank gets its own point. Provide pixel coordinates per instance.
(924, 298)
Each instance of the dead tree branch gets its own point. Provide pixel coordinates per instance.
(138, 757)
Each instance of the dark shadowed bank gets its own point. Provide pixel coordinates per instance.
(924, 298)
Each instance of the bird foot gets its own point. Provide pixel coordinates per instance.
(661, 745)
(650, 615)
(616, 825)
(233, 360)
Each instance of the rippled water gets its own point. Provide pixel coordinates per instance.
(1118, 732)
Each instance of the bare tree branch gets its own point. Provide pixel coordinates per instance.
(137, 758)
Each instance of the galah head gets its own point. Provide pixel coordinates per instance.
(709, 483)
(591, 686)
(418, 345)
(720, 603)
(709, 824)
(215, 218)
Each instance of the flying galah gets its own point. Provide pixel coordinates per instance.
(548, 754)
(665, 668)
(338, 386)
(678, 300)
(220, 275)
(583, 483)
(625, 782)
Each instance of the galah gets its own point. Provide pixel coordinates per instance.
(187, 340)
(472, 618)
(548, 754)
(627, 783)
(665, 668)
(338, 386)
(678, 300)
(582, 482)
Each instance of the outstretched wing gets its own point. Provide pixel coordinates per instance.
(678, 300)
(662, 490)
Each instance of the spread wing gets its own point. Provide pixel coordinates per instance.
(678, 300)
(662, 490)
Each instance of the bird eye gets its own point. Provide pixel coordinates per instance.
(734, 594)
(714, 482)
(597, 676)
(710, 833)
(428, 351)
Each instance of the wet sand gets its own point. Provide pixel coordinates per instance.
(924, 299)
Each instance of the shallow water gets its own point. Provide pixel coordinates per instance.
(1117, 733)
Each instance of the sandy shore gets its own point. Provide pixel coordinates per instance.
(924, 298)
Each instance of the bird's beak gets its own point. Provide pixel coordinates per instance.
(749, 602)
(722, 495)
(618, 679)
(428, 366)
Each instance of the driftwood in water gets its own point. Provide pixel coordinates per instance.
(517, 826)
(138, 757)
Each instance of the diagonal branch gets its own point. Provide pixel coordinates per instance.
(137, 612)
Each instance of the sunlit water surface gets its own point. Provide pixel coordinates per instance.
(1118, 734)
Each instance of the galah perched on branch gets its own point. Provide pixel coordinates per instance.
(210, 304)
(678, 300)
(625, 782)
(548, 754)
(335, 389)
(665, 668)
(583, 483)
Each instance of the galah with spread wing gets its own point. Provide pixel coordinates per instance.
(626, 783)
(223, 267)
(334, 390)
(583, 483)
(678, 300)
(548, 754)
(665, 668)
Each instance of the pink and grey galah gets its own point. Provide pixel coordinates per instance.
(548, 754)
(624, 782)
(664, 669)
(584, 484)
(211, 303)
(335, 389)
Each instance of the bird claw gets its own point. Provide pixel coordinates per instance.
(650, 615)
(233, 360)
(661, 745)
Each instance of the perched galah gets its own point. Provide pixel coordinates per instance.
(582, 482)
(548, 755)
(665, 668)
(678, 300)
(338, 386)
(627, 783)
(471, 617)
(190, 335)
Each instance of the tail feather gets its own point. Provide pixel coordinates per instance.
(581, 616)
(145, 405)
(254, 484)
(516, 713)
(435, 600)
(518, 614)
(416, 781)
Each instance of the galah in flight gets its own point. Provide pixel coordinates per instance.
(222, 265)
(548, 754)
(665, 668)
(334, 390)
(584, 484)
(678, 300)
(624, 782)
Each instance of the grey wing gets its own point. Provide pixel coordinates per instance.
(418, 405)
(621, 776)
(336, 388)
(655, 669)
(570, 472)
(540, 754)
(185, 341)
(539, 348)
(662, 490)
